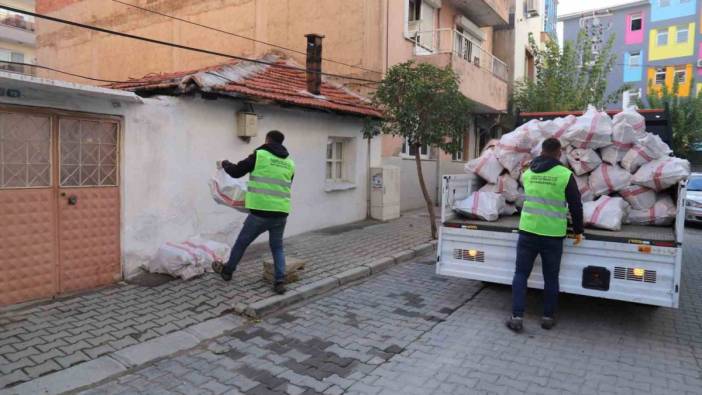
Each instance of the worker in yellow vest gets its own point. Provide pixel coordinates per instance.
(550, 192)
(268, 200)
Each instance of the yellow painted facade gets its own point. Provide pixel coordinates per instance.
(683, 88)
(673, 49)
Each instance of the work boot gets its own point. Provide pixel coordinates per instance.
(218, 267)
(279, 288)
(515, 324)
(548, 322)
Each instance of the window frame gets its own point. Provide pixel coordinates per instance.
(406, 150)
(659, 71)
(633, 55)
(636, 17)
(458, 155)
(680, 28)
(337, 159)
(659, 33)
(677, 71)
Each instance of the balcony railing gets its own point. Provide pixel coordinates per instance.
(18, 21)
(461, 46)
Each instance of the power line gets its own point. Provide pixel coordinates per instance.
(174, 45)
(239, 35)
(38, 66)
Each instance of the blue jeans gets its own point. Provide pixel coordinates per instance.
(550, 249)
(253, 227)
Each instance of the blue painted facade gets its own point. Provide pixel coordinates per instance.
(550, 18)
(633, 73)
(671, 9)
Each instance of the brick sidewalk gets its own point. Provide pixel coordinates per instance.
(37, 340)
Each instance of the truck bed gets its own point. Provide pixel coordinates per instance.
(629, 233)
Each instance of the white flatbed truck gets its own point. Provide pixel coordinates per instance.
(640, 264)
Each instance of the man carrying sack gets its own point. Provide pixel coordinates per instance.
(268, 202)
(550, 192)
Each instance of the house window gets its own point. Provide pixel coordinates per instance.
(9, 56)
(635, 59)
(680, 75)
(635, 23)
(660, 76)
(414, 10)
(664, 3)
(662, 38)
(631, 98)
(335, 159)
(682, 34)
(458, 156)
(410, 150)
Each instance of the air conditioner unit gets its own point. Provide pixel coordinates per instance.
(699, 63)
(532, 8)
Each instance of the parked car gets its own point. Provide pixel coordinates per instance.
(693, 199)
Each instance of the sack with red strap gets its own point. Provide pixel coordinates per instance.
(591, 130)
(505, 186)
(632, 117)
(228, 191)
(640, 198)
(646, 149)
(606, 213)
(662, 213)
(608, 179)
(177, 260)
(583, 182)
(583, 161)
(556, 128)
(486, 166)
(624, 137)
(662, 174)
(485, 206)
(514, 149)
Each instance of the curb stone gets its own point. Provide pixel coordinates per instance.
(318, 287)
(354, 274)
(156, 348)
(422, 249)
(403, 256)
(260, 308)
(380, 265)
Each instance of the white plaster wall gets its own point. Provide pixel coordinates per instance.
(169, 149)
(522, 27)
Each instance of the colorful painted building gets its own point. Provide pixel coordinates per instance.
(657, 42)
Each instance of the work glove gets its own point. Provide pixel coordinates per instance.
(578, 238)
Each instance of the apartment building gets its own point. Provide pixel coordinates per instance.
(362, 38)
(17, 37)
(658, 43)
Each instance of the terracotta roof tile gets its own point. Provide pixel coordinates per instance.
(280, 84)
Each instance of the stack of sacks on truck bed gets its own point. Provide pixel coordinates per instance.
(624, 174)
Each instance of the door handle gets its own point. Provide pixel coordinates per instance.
(72, 200)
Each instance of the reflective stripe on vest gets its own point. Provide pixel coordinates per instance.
(269, 183)
(545, 210)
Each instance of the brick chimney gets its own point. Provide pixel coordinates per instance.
(314, 63)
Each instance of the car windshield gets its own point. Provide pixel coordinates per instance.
(695, 184)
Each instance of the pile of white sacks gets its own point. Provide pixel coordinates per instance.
(624, 174)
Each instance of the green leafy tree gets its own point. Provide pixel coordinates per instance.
(422, 103)
(568, 79)
(685, 115)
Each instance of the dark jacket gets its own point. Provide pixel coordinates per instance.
(543, 164)
(247, 165)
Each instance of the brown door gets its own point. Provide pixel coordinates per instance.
(59, 204)
(88, 203)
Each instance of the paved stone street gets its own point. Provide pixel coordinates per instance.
(408, 331)
(52, 336)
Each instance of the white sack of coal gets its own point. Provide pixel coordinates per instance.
(638, 197)
(520, 198)
(514, 149)
(583, 161)
(624, 137)
(662, 213)
(509, 209)
(591, 130)
(646, 149)
(556, 128)
(607, 179)
(662, 174)
(583, 182)
(486, 206)
(536, 152)
(506, 186)
(606, 213)
(631, 117)
(486, 166)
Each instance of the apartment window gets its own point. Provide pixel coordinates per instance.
(635, 59)
(458, 156)
(335, 159)
(660, 76)
(680, 75)
(414, 13)
(662, 38)
(631, 98)
(9, 56)
(635, 23)
(410, 150)
(683, 34)
(664, 3)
